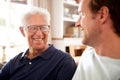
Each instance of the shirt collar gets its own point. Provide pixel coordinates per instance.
(45, 55)
(24, 53)
(49, 52)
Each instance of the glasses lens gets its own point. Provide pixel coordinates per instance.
(44, 28)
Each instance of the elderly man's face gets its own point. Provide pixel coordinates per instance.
(37, 31)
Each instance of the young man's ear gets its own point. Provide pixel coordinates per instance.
(103, 14)
(22, 30)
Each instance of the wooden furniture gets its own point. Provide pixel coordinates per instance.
(76, 52)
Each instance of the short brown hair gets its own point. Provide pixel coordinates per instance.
(114, 10)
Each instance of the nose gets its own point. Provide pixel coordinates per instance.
(77, 24)
(39, 32)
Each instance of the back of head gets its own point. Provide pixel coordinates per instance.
(33, 11)
(114, 11)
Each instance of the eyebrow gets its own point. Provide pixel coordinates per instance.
(38, 25)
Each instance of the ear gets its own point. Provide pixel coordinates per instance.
(22, 30)
(103, 14)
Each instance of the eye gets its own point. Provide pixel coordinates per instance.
(44, 28)
(33, 28)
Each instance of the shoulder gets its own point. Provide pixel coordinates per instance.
(65, 57)
(88, 54)
(89, 51)
(57, 52)
(63, 54)
(59, 55)
(11, 62)
(15, 59)
(19, 56)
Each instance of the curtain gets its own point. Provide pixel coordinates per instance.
(40, 3)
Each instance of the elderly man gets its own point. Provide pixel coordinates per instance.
(41, 61)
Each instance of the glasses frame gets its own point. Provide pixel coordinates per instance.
(35, 28)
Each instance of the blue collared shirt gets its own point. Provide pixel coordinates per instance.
(53, 64)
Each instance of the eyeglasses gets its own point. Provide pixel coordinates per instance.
(34, 28)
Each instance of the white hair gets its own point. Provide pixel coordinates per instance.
(33, 11)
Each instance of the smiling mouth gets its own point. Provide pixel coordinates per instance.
(81, 29)
(37, 39)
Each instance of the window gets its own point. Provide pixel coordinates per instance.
(11, 42)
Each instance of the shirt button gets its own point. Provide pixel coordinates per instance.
(30, 62)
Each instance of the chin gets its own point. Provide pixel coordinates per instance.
(85, 41)
(38, 47)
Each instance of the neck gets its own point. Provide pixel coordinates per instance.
(109, 47)
(35, 52)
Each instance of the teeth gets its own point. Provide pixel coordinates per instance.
(37, 39)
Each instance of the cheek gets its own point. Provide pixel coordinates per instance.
(28, 37)
(93, 30)
(46, 34)
(84, 22)
(88, 27)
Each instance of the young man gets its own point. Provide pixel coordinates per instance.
(100, 24)
(41, 61)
